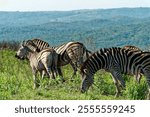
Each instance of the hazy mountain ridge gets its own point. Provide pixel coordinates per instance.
(102, 27)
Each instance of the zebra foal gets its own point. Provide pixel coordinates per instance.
(116, 61)
(46, 60)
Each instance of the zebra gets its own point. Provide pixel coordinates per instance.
(116, 61)
(134, 49)
(71, 53)
(45, 60)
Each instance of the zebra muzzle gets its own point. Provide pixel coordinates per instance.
(18, 57)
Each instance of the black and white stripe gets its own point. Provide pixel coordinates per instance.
(116, 61)
(69, 53)
(43, 61)
(134, 49)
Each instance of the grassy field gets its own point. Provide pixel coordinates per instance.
(16, 83)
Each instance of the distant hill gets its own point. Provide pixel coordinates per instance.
(99, 28)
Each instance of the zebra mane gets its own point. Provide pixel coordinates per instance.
(40, 44)
(30, 45)
(132, 48)
(36, 44)
(106, 50)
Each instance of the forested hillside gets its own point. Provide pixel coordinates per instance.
(99, 28)
(96, 28)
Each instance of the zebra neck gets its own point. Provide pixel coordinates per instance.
(30, 55)
(97, 62)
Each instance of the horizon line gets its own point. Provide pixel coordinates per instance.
(71, 10)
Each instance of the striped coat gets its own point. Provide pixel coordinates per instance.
(117, 61)
(45, 60)
(134, 49)
(72, 53)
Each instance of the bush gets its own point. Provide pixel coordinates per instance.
(135, 91)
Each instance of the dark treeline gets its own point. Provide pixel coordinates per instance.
(11, 45)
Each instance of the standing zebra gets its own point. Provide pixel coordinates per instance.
(69, 53)
(116, 61)
(134, 49)
(46, 60)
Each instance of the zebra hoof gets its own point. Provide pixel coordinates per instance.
(148, 97)
(36, 86)
(82, 91)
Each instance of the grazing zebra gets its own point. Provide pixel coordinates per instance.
(69, 53)
(45, 60)
(116, 61)
(134, 49)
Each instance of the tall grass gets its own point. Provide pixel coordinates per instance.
(16, 83)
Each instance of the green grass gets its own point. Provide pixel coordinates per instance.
(16, 83)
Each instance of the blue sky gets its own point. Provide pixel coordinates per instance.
(51, 5)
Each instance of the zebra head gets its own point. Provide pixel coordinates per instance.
(87, 80)
(25, 48)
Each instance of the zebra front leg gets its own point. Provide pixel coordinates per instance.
(147, 75)
(117, 86)
(35, 79)
(138, 77)
(117, 77)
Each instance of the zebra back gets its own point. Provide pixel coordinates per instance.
(73, 51)
(40, 44)
(132, 48)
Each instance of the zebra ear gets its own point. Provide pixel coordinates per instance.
(23, 43)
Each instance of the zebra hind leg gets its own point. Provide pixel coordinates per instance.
(43, 73)
(60, 74)
(117, 86)
(50, 72)
(74, 70)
